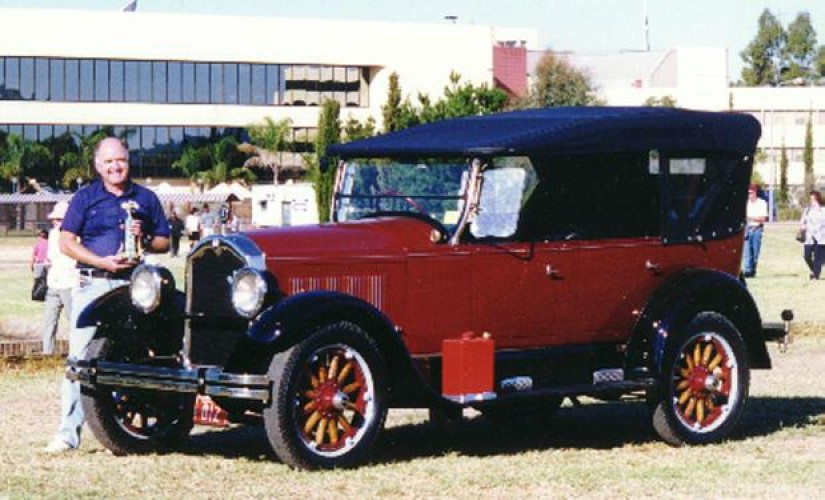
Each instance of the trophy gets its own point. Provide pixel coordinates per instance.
(131, 245)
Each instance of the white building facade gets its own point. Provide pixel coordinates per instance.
(165, 79)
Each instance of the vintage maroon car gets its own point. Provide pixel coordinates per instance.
(501, 263)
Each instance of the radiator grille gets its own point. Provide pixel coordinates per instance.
(369, 287)
(214, 326)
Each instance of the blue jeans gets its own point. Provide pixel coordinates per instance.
(57, 299)
(750, 257)
(72, 417)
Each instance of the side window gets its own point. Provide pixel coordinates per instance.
(588, 197)
(699, 197)
(506, 185)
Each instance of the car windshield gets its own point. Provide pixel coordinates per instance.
(434, 189)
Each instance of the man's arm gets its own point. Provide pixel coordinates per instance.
(74, 249)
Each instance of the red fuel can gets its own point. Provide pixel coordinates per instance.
(467, 368)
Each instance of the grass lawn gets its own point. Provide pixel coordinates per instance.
(604, 450)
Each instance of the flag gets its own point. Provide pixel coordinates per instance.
(131, 6)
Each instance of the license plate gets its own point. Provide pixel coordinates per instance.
(209, 413)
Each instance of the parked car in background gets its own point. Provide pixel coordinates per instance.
(499, 262)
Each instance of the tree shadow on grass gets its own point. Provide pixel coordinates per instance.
(590, 426)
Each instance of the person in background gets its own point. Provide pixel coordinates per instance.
(813, 222)
(62, 278)
(175, 231)
(757, 215)
(233, 224)
(93, 233)
(192, 226)
(40, 252)
(208, 222)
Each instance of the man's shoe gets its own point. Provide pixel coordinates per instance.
(58, 445)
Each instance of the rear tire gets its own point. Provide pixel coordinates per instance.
(133, 421)
(704, 383)
(328, 399)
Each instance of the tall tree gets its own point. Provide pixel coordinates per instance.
(783, 169)
(819, 64)
(808, 156)
(763, 55)
(354, 129)
(329, 132)
(801, 47)
(459, 99)
(558, 83)
(391, 109)
(784, 192)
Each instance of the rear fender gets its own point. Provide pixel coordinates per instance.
(289, 321)
(683, 297)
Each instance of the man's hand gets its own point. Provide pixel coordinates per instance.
(116, 263)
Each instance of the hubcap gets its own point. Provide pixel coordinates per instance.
(705, 382)
(333, 405)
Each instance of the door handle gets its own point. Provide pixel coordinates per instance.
(652, 267)
(552, 272)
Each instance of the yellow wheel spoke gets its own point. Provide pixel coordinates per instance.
(684, 397)
(351, 387)
(310, 406)
(333, 430)
(313, 381)
(683, 385)
(700, 410)
(319, 431)
(697, 354)
(690, 406)
(707, 353)
(342, 421)
(715, 362)
(322, 374)
(311, 421)
(344, 372)
(333, 368)
(689, 361)
(684, 373)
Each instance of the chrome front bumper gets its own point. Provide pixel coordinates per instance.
(210, 381)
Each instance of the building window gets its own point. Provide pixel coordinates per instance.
(116, 80)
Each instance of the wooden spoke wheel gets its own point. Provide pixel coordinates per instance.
(131, 421)
(705, 381)
(328, 400)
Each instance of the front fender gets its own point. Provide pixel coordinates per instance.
(289, 321)
(114, 316)
(679, 300)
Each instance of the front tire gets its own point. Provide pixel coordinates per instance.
(328, 399)
(133, 421)
(704, 383)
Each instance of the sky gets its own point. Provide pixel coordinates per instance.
(581, 26)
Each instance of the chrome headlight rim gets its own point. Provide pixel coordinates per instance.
(145, 288)
(249, 289)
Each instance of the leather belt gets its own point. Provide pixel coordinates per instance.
(100, 273)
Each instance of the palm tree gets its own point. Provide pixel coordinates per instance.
(209, 164)
(11, 156)
(268, 142)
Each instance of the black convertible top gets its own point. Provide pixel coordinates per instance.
(566, 130)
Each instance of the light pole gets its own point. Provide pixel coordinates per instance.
(14, 181)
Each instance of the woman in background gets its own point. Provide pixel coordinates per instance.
(813, 222)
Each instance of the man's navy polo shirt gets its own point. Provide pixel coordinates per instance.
(96, 215)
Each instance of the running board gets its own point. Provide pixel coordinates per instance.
(624, 386)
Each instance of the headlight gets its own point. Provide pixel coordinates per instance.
(248, 291)
(145, 288)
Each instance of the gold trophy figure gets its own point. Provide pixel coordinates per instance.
(131, 245)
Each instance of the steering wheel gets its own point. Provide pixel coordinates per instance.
(398, 195)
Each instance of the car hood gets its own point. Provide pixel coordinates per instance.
(384, 237)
